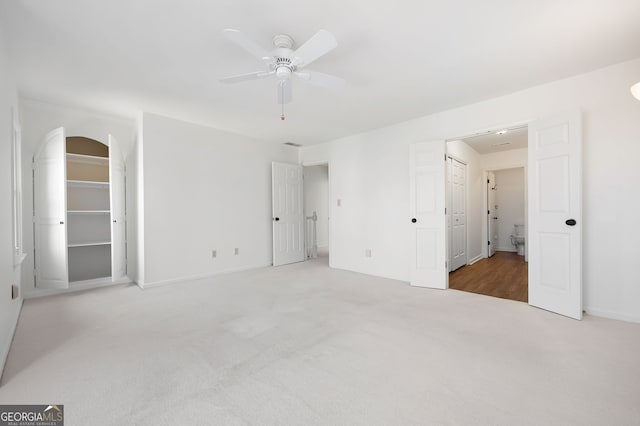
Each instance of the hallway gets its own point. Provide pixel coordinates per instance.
(503, 275)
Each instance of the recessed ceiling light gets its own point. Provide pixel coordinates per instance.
(502, 132)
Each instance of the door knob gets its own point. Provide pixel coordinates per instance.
(276, 219)
(570, 222)
(61, 223)
(414, 220)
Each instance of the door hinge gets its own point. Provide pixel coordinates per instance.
(488, 211)
(445, 210)
(488, 181)
(488, 243)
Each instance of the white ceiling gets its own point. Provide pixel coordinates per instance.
(493, 142)
(401, 60)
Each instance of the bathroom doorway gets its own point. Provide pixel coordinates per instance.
(497, 209)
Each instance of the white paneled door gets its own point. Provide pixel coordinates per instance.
(288, 214)
(427, 215)
(117, 199)
(555, 215)
(50, 211)
(458, 206)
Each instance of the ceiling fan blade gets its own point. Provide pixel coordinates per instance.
(246, 77)
(322, 42)
(321, 79)
(284, 91)
(247, 44)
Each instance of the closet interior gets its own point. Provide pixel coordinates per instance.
(88, 209)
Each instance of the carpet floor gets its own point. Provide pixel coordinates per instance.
(307, 345)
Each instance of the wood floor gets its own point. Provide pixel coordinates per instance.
(502, 275)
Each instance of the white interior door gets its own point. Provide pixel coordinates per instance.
(458, 235)
(118, 222)
(555, 215)
(447, 210)
(50, 211)
(428, 219)
(288, 214)
(492, 214)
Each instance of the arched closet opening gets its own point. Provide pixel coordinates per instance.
(79, 214)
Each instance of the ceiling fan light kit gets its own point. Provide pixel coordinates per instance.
(282, 62)
(635, 90)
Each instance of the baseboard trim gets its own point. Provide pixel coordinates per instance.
(612, 315)
(76, 286)
(145, 285)
(475, 259)
(7, 345)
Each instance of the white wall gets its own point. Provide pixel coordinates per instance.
(204, 190)
(369, 172)
(510, 201)
(316, 198)
(38, 118)
(9, 309)
(504, 159)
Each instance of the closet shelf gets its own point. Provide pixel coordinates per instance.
(87, 184)
(87, 159)
(88, 212)
(90, 244)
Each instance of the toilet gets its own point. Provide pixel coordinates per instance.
(518, 238)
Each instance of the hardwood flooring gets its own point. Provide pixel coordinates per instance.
(502, 275)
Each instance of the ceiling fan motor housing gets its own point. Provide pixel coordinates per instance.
(282, 55)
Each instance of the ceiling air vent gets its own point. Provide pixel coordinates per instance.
(297, 145)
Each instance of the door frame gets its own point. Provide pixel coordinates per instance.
(485, 196)
(480, 132)
(329, 201)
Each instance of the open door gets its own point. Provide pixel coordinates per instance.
(428, 218)
(555, 215)
(288, 214)
(492, 215)
(117, 198)
(50, 211)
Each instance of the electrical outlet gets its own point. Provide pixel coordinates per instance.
(15, 291)
(339, 202)
(237, 251)
(367, 253)
(213, 253)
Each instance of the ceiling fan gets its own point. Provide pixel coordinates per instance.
(283, 62)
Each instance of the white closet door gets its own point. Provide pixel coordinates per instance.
(555, 215)
(117, 195)
(288, 214)
(458, 214)
(50, 211)
(428, 219)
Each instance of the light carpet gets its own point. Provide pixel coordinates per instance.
(307, 345)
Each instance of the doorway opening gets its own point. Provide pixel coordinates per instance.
(316, 211)
(493, 214)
